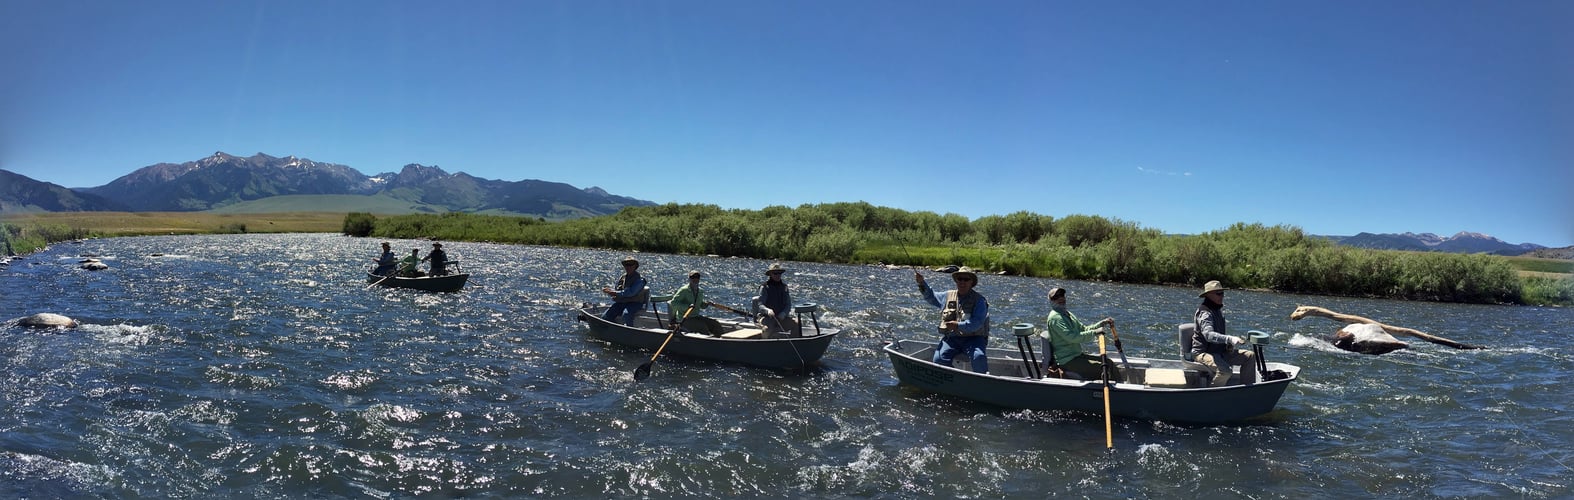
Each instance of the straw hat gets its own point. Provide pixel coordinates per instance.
(965, 271)
(1211, 286)
(775, 268)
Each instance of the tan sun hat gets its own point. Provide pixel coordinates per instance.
(775, 268)
(964, 270)
(1211, 286)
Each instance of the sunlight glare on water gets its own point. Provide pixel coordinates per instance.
(264, 366)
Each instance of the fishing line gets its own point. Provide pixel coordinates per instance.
(1500, 401)
(1532, 442)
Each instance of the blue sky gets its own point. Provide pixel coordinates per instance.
(1337, 117)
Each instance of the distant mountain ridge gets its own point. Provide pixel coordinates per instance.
(1461, 242)
(224, 180)
(19, 193)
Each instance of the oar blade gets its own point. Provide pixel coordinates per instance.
(643, 372)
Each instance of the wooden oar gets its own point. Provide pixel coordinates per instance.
(643, 372)
(1109, 434)
(725, 308)
(1122, 350)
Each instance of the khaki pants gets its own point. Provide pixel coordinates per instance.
(773, 328)
(1244, 359)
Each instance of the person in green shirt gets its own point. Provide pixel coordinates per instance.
(691, 296)
(1064, 334)
(407, 265)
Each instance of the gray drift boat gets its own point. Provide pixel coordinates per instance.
(446, 283)
(1154, 389)
(743, 342)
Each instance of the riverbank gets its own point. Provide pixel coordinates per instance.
(1277, 258)
(29, 232)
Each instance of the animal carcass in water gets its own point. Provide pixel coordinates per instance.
(1366, 338)
(47, 320)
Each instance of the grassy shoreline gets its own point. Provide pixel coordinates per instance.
(1544, 281)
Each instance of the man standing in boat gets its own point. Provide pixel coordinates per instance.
(1064, 334)
(629, 296)
(964, 319)
(690, 296)
(1212, 347)
(439, 260)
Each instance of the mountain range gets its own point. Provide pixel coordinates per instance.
(1462, 242)
(224, 181)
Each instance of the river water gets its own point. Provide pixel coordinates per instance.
(262, 366)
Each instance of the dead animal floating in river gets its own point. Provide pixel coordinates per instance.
(1364, 340)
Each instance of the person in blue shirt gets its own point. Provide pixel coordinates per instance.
(964, 319)
(629, 295)
(387, 262)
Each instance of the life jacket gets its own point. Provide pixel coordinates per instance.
(628, 280)
(960, 309)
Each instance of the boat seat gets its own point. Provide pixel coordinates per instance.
(1165, 377)
(1188, 361)
(1185, 331)
(745, 333)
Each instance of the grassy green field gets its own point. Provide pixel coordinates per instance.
(333, 203)
(151, 223)
(1542, 266)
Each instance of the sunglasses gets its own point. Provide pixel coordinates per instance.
(776, 273)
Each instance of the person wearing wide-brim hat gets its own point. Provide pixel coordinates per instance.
(1211, 346)
(775, 304)
(1064, 335)
(964, 319)
(439, 260)
(686, 306)
(387, 262)
(629, 294)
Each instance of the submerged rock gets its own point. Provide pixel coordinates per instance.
(47, 320)
(94, 265)
(1366, 338)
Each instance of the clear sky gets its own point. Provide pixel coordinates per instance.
(1334, 116)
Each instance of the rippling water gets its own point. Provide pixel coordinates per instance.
(262, 366)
